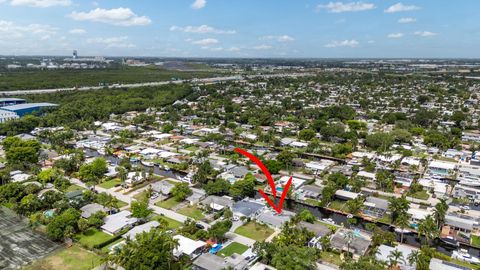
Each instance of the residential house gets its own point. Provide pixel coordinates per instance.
(144, 228)
(117, 222)
(217, 203)
(375, 207)
(246, 208)
(196, 196)
(188, 247)
(274, 219)
(347, 240)
(92, 208)
(384, 251)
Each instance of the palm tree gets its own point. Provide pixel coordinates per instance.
(428, 228)
(413, 257)
(439, 212)
(403, 221)
(394, 257)
(348, 237)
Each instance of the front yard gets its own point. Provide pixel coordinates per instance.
(172, 223)
(255, 231)
(110, 183)
(192, 211)
(168, 204)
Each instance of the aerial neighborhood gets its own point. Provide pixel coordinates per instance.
(384, 175)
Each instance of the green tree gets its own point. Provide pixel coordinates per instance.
(428, 228)
(181, 191)
(152, 250)
(243, 188)
(306, 134)
(439, 213)
(140, 209)
(217, 187)
(398, 207)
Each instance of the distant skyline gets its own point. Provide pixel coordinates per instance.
(242, 28)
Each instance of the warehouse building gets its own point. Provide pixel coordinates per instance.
(28, 108)
(11, 101)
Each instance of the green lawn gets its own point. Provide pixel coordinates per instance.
(337, 205)
(140, 196)
(331, 257)
(172, 223)
(233, 248)
(168, 204)
(255, 231)
(422, 195)
(93, 237)
(121, 204)
(192, 211)
(475, 240)
(72, 188)
(73, 258)
(110, 183)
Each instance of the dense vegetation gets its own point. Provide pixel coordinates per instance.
(79, 109)
(41, 79)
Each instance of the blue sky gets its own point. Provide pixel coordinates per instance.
(241, 28)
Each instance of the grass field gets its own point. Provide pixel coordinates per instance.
(233, 248)
(73, 258)
(168, 204)
(93, 237)
(41, 79)
(110, 183)
(422, 195)
(172, 223)
(475, 240)
(254, 231)
(192, 211)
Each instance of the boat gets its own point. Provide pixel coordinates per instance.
(398, 230)
(147, 163)
(450, 241)
(328, 220)
(463, 255)
(166, 168)
(350, 216)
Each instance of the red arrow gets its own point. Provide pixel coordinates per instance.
(270, 181)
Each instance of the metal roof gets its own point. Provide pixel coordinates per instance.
(11, 99)
(27, 106)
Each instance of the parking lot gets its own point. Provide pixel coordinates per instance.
(19, 245)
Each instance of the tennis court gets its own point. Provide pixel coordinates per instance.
(18, 244)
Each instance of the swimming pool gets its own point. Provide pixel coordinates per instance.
(215, 248)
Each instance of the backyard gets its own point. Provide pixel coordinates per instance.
(254, 231)
(233, 248)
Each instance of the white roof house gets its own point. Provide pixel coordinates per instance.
(365, 174)
(116, 222)
(296, 182)
(141, 229)
(187, 246)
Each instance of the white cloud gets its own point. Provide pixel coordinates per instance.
(283, 38)
(41, 3)
(399, 7)
(262, 47)
(234, 49)
(198, 4)
(112, 42)
(395, 35)
(117, 16)
(202, 29)
(407, 20)
(205, 41)
(344, 43)
(425, 33)
(77, 31)
(11, 30)
(339, 7)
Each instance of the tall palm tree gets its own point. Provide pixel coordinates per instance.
(348, 237)
(439, 212)
(413, 257)
(428, 228)
(403, 221)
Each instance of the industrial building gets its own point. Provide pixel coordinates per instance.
(11, 101)
(27, 108)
